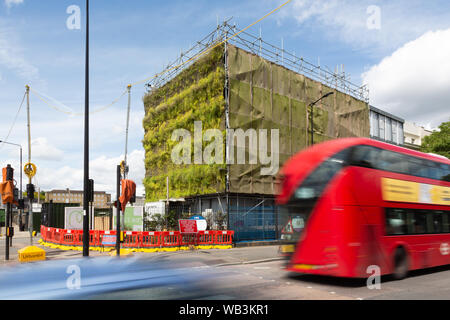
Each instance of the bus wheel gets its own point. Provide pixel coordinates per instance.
(401, 266)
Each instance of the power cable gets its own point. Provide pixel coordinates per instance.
(14, 122)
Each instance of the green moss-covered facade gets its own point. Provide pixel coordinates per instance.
(262, 95)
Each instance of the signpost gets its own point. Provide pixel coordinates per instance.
(133, 218)
(188, 226)
(73, 218)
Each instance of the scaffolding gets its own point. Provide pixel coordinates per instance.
(256, 45)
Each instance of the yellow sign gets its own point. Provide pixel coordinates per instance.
(29, 254)
(30, 170)
(414, 192)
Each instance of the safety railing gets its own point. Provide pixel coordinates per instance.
(135, 239)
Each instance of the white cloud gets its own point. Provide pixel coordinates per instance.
(42, 150)
(12, 55)
(10, 3)
(414, 82)
(102, 170)
(347, 21)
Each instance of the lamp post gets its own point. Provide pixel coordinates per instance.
(21, 195)
(86, 145)
(312, 113)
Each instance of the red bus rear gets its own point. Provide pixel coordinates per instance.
(353, 203)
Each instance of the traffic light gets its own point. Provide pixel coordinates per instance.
(30, 191)
(16, 195)
(21, 204)
(91, 190)
(133, 198)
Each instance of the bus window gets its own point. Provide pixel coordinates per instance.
(365, 156)
(438, 224)
(444, 172)
(418, 167)
(422, 223)
(316, 182)
(395, 222)
(394, 162)
(445, 222)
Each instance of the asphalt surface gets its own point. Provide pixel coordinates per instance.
(256, 273)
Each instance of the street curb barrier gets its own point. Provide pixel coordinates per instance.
(31, 253)
(156, 241)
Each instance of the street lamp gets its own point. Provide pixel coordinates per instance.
(312, 114)
(86, 145)
(21, 195)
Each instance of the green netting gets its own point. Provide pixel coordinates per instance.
(262, 95)
(196, 94)
(278, 100)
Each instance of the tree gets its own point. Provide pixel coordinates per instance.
(438, 142)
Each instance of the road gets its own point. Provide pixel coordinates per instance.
(269, 281)
(257, 273)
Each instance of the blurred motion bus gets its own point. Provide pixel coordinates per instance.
(349, 204)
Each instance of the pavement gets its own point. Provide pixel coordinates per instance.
(248, 254)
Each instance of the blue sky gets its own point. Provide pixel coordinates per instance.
(404, 62)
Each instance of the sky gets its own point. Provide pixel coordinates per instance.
(399, 49)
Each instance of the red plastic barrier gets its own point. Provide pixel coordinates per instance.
(94, 237)
(58, 236)
(224, 237)
(188, 239)
(206, 238)
(43, 232)
(110, 235)
(151, 239)
(170, 239)
(69, 238)
(132, 239)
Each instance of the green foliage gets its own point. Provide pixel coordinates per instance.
(196, 94)
(439, 141)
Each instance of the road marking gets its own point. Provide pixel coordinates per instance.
(261, 268)
(308, 287)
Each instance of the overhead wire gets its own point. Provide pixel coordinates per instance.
(212, 47)
(14, 122)
(46, 99)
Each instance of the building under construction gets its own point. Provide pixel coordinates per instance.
(243, 83)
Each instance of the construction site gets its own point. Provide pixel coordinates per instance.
(249, 84)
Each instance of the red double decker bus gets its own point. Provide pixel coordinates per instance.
(353, 203)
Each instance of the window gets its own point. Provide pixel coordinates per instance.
(375, 158)
(395, 222)
(316, 182)
(392, 161)
(401, 137)
(365, 156)
(416, 222)
(375, 125)
(382, 127)
(388, 129)
(394, 131)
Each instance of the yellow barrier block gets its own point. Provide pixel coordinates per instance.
(31, 253)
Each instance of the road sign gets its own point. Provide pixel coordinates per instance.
(30, 170)
(188, 226)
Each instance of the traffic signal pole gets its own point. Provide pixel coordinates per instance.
(86, 146)
(118, 231)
